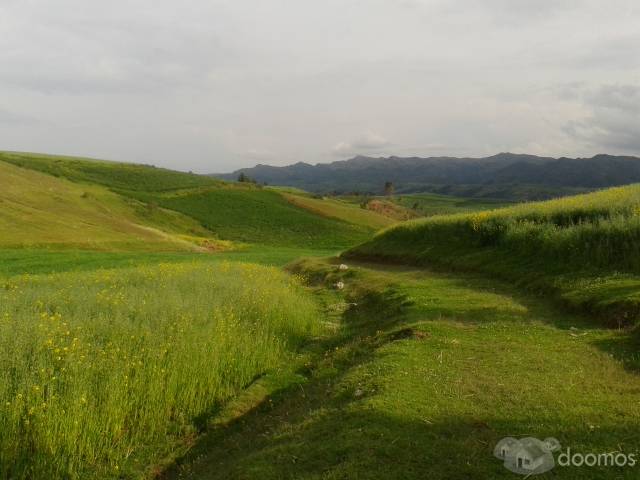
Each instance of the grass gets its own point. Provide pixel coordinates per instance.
(108, 371)
(44, 261)
(583, 249)
(261, 216)
(115, 175)
(192, 210)
(38, 209)
(423, 374)
(161, 361)
(430, 204)
(336, 208)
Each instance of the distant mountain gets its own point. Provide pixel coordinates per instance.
(506, 175)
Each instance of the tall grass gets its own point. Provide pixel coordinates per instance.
(104, 371)
(584, 250)
(597, 230)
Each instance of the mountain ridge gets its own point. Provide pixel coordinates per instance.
(424, 174)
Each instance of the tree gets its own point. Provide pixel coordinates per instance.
(244, 178)
(388, 188)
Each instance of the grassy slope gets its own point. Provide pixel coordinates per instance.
(38, 209)
(420, 379)
(429, 204)
(236, 212)
(115, 175)
(255, 215)
(335, 208)
(584, 249)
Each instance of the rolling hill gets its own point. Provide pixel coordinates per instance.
(149, 361)
(584, 249)
(111, 205)
(39, 210)
(506, 175)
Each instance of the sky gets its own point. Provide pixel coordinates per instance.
(216, 85)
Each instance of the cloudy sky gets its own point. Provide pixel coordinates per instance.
(214, 85)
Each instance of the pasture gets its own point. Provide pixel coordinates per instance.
(105, 372)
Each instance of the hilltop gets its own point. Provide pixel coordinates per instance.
(39, 210)
(506, 175)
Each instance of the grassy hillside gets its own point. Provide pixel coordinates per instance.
(237, 212)
(115, 175)
(336, 208)
(255, 215)
(106, 372)
(430, 204)
(41, 210)
(585, 248)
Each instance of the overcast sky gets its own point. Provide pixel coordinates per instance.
(212, 86)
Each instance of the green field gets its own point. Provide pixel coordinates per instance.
(243, 213)
(259, 216)
(148, 330)
(98, 367)
(38, 210)
(342, 210)
(429, 204)
(115, 175)
(419, 377)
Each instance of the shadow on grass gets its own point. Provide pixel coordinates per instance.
(624, 347)
(315, 434)
(317, 428)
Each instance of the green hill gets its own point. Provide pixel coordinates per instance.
(40, 210)
(585, 249)
(429, 204)
(173, 202)
(115, 175)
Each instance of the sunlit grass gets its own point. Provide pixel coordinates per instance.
(106, 369)
(562, 246)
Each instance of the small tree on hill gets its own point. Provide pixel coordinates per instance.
(388, 188)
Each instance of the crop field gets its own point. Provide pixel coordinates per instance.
(255, 215)
(191, 212)
(336, 208)
(430, 204)
(102, 371)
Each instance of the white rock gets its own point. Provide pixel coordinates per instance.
(343, 267)
(339, 285)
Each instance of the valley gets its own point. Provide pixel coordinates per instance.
(159, 324)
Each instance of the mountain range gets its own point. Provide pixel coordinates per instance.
(505, 175)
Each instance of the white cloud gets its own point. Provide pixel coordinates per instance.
(367, 142)
(214, 85)
(612, 123)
